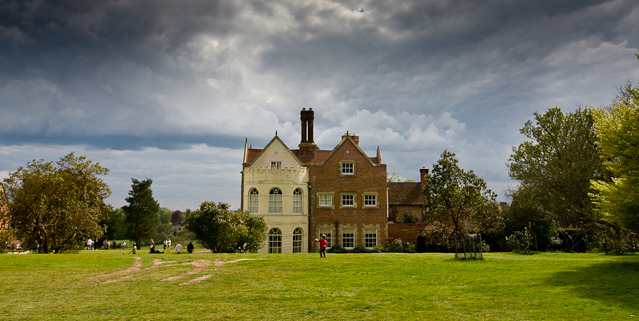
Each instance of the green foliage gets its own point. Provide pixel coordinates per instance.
(360, 249)
(461, 199)
(115, 225)
(142, 212)
(524, 212)
(438, 237)
(223, 231)
(394, 177)
(555, 167)
(618, 140)
(399, 246)
(164, 215)
(336, 248)
(57, 205)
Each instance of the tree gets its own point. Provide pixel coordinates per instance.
(618, 141)
(461, 199)
(57, 206)
(556, 165)
(221, 230)
(176, 218)
(142, 212)
(115, 224)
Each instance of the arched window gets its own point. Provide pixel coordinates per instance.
(275, 201)
(297, 240)
(254, 201)
(275, 241)
(297, 201)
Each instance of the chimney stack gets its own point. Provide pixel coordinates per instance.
(423, 172)
(307, 145)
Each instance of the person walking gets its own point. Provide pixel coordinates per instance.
(322, 243)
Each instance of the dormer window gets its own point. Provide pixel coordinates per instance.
(276, 165)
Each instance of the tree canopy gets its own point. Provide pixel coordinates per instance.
(618, 141)
(557, 163)
(142, 217)
(461, 198)
(56, 207)
(221, 230)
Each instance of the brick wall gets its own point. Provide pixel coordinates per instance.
(405, 231)
(368, 178)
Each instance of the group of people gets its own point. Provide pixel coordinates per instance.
(167, 247)
(90, 245)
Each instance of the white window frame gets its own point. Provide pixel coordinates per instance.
(325, 200)
(371, 200)
(370, 238)
(348, 200)
(347, 168)
(298, 239)
(276, 165)
(348, 238)
(275, 201)
(254, 201)
(275, 240)
(298, 197)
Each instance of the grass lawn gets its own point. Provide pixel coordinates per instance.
(96, 285)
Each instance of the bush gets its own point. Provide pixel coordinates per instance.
(379, 248)
(359, 249)
(337, 249)
(396, 246)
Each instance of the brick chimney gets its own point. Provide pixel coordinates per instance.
(354, 137)
(307, 145)
(423, 173)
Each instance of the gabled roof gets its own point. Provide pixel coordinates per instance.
(405, 193)
(252, 154)
(374, 160)
(321, 155)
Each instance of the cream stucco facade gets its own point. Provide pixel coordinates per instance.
(275, 187)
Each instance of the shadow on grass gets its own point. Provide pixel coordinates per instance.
(612, 283)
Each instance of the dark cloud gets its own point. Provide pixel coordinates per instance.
(412, 76)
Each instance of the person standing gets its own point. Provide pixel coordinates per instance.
(322, 243)
(168, 244)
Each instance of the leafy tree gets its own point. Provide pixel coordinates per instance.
(176, 218)
(524, 213)
(142, 212)
(461, 199)
(221, 230)
(618, 141)
(556, 165)
(57, 206)
(164, 214)
(115, 224)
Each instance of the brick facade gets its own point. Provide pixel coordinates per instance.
(367, 182)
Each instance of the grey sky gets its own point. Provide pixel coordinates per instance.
(169, 90)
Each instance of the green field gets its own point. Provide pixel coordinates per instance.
(96, 285)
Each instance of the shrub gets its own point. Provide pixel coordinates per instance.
(379, 248)
(359, 249)
(337, 249)
(396, 246)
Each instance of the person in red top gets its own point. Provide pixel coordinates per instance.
(322, 243)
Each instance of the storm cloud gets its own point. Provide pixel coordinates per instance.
(170, 90)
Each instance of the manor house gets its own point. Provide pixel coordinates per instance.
(306, 192)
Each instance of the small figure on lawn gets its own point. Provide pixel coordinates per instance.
(322, 243)
(189, 248)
